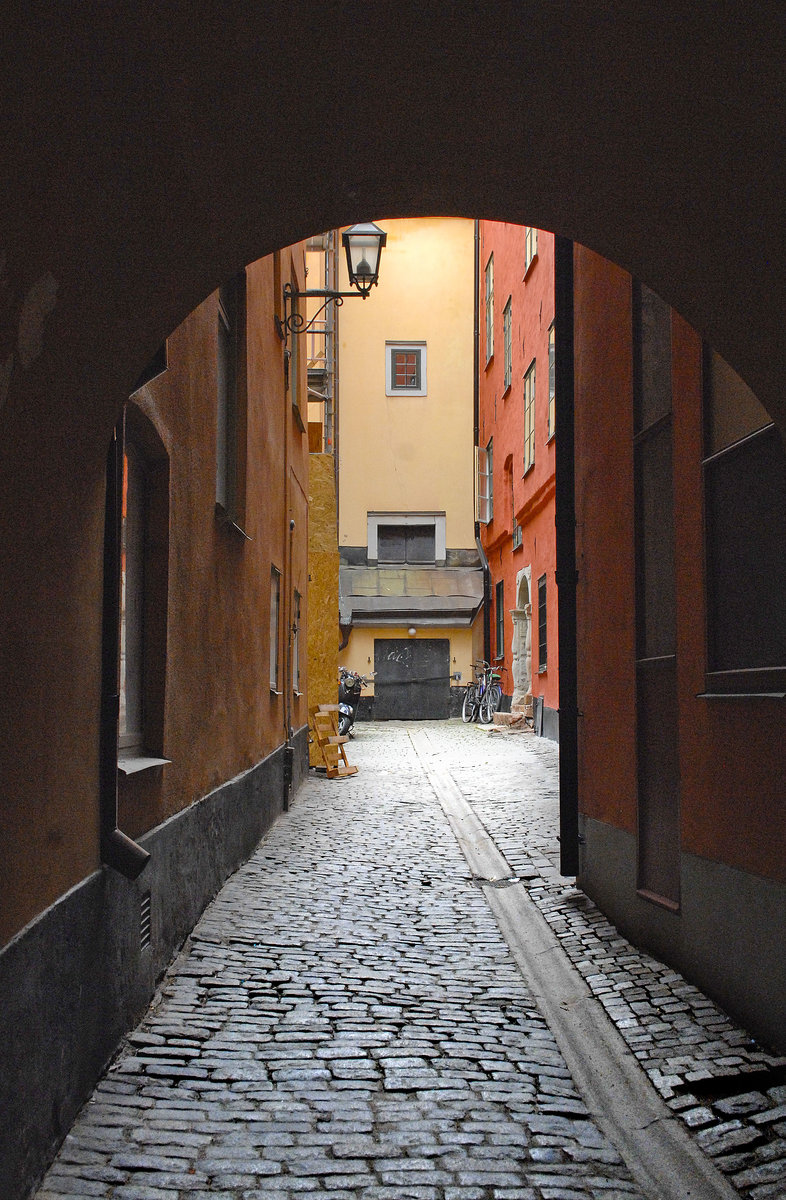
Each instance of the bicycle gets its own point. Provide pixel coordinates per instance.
(483, 695)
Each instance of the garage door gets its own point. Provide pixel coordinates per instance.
(412, 679)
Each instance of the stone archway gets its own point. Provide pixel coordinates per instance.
(522, 644)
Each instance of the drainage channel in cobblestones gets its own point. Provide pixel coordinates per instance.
(656, 1147)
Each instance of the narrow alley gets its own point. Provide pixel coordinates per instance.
(347, 1021)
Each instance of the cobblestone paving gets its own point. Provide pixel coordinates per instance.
(728, 1090)
(345, 1023)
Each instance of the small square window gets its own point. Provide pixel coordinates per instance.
(405, 369)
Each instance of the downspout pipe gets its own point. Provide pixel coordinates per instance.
(476, 409)
(566, 572)
(118, 850)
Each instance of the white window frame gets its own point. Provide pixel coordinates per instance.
(530, 246)
(489, 277)
(484, 490)
(437, 519)
(552, 382)
(297, 600)
(407, 347)
(529, 416)
(507, 337)
(275, 618)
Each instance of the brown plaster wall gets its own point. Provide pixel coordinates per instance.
(731, 756)
(730, 751)
(220, 717)
(604, 540)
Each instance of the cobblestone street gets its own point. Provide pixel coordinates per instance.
(347, 1021)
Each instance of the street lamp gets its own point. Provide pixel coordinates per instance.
(363, 246)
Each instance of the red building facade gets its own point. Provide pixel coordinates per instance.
(516, 408)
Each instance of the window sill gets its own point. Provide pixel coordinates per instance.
(298, 416)
(274, 692)
(543, 670)
(225, 519)
(507, 390)
(551, 437)
(132, 764)
(530, 265)
(661, 901)
(741, 695)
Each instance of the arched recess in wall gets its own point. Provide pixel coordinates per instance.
(136, 581)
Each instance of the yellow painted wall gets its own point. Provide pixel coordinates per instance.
(410, 453)
(359, 653)
(323, 584)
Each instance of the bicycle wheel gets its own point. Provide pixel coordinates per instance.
(490, 703)
(470, 704)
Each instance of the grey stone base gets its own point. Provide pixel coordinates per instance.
(727, 938)
(77, 979)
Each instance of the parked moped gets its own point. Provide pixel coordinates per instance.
(350, 685)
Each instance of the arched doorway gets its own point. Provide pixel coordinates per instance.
(522, 644)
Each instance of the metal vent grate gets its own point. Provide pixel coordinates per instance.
(144, 922)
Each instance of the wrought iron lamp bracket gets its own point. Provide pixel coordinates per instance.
(295, 322)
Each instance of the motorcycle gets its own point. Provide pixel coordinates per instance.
(350, 685)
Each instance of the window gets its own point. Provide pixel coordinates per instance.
(132, 575)
(139, 476)
(296, 645)
(230, 399)
(275, 605)
(500, 615)
(542, 626)
(489, 307)
(390, 539)
(530, 246)
(529, 417)
(517, 536)
(406, 543)
(507, 337)
(745, 526)
(485, 482)
(552, 383)
(405, 369)
(293, 360)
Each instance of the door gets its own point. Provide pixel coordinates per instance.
(412, 679)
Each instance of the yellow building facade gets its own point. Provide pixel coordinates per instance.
(411, 583)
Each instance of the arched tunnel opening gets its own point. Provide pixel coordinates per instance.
(136, 154)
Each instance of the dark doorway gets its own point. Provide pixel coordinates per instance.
(412, 679)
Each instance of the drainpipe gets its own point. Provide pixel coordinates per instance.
(117, 849)
(476, 407)
(566, 573)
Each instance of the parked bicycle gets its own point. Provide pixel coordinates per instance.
(483, 695)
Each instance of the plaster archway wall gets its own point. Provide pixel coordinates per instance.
(149, 151)
(152, 150)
